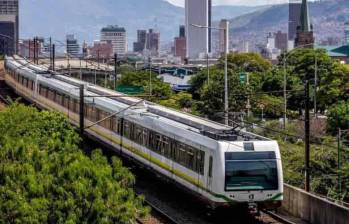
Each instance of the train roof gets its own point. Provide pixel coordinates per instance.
(115, 101)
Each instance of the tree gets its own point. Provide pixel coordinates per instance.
(333, 78)
(160, 90)
(338, 117)
(45, 178)
(211, 93)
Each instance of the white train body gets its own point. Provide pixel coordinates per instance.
(220, 165)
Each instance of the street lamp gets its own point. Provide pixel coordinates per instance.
(226, 39)
(287, 54)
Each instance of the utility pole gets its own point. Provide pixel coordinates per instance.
(316, 84)
(285, 94)
(248, 97)
(34, 50)
(98, 59)
(50, 53)
(80, 69)
(307, 137)
(30, 48)
(150, 78)
(81, 111)
(338, 159)
(226, 94)
(208, 69)
(115, 69)
(53, 56)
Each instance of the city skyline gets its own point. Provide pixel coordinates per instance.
(236, 2)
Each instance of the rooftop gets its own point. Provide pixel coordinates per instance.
(113, 29)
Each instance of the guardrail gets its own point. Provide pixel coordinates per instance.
(313, 209)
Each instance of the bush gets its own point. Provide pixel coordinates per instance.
(45, 178)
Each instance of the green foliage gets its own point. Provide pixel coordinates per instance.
(333, 78)
(160, 90)
(45, 178)
(324, 160)
(338, 117)
(178, 101)
(211, 92)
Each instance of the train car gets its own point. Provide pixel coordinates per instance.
(222, 165)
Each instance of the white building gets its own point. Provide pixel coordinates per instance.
(73, 48)
(197, 12)
(118, 38)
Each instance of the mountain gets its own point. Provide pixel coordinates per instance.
(85, 18)
(328, 19)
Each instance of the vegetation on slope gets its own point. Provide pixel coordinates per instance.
(46, 178)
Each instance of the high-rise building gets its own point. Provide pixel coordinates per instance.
(153, 42)
(305, 35)
(281, 40)
(117, 36)
(197, 13)
(223, 43)
(101, 49)
(346, 33)
(73, 48)
(140, 45)
(9, 33)
(293, 18)
(180, 44)
(182, 31)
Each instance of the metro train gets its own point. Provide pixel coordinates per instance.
(221, 165)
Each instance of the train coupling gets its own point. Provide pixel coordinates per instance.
(253, 208)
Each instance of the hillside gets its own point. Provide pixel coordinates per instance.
(328, 18)
(85, 18)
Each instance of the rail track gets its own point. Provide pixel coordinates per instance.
(279, 218)
(168, 209)
(157, 216)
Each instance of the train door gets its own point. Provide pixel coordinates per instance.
(210, 172)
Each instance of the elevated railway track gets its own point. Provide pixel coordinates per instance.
(59, 93)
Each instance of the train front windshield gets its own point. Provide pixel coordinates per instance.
(250, 171)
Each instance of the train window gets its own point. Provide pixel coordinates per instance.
(51, 94)
(114, 121)
(86, 110)
(157, 147)
(66, 101)
(145, 137)
(190, 158)
(90, 113)
(25, 82)
(77, 106)
(30, 86)
(71, 105)
(166, 149)
(138, 134)
(210, 166)
(58, 98)
(106, 122)
(181, 154)
(126, 129)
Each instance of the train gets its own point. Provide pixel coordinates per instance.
(222, 165)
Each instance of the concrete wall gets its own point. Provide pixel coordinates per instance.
(313, 209)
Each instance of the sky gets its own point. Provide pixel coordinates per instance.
(235, 2)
